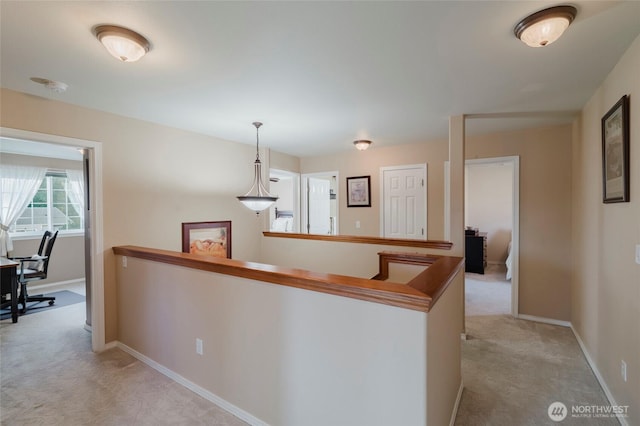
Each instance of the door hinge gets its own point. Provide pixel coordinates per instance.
(423, 183)
(422, 231)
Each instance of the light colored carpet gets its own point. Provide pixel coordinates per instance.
(514, 369)
(50, 376)
(488, 294)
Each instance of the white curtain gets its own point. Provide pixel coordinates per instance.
(18, 185)
(76, 187)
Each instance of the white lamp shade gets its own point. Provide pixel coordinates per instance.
(122, 43)
(544, 32)
(258, 204)
(362, 144)
(546, 26)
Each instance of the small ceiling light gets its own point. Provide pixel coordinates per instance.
(362, 144)
(546, 26)
(54, 86)
(258, 198)
(122, 43)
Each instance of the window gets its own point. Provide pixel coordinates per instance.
(51, 208)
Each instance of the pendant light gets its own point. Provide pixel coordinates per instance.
(258, 198)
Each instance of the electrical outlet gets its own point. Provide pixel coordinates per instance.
(623, 370)
(199, 346)
(124, 261)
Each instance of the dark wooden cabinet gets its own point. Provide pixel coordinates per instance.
(476, 252)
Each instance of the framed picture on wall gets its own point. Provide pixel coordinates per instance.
(208, 238)
(615, 153)
(359, 191)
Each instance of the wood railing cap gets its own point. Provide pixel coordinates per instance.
(389, 293)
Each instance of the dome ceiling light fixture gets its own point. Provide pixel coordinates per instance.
(258, 198)
(54, 86)
(546, 26)
(122, 43)
(362, 144)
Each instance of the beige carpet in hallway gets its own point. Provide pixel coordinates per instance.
(514, 369)
(49, 376)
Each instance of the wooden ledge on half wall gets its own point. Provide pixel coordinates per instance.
(420, 294)
(432, 244)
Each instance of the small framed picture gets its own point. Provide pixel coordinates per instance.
(208, 238)
(359, 191)
(615, 153)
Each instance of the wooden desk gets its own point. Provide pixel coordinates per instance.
(9, 281)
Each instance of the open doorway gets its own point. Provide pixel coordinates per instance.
(319, 203)
(491, 236)
(91, 160)
(284, 215)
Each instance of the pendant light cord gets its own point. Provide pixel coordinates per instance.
(257, 124)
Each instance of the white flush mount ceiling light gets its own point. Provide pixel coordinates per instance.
(122, 43)
(362, 144)
(54, 86)
(546, 26)
(258, 198)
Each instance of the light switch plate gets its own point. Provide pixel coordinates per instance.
(638, 254)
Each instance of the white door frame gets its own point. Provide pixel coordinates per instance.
(515, 233)
(304, 199)
(423, 167)
(97, 248)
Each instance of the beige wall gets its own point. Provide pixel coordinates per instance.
(444, 374)
(351, 259)
(545, 214)
(489, 205)
(284, 355)
(606, 281)
(67, 258)
(155, 178)
(368, 163)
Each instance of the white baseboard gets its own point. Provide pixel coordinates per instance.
(596, 372)
(544, 320)
(33, 288)
(110, 345)
(454, 414)
(225, 405)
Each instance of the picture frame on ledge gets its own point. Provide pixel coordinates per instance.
(615, 153)
(207, 238)
(359, 191)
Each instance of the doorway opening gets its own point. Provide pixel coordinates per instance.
(93, 232)
(284, 215)
(492, 236)
(319, 203)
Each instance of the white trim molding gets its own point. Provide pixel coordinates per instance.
(454, 413)
(596, 372)
(97, 248)
(209, 396)
(544, 320)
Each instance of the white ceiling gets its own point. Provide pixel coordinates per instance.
(318, 74)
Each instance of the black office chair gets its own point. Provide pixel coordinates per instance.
(34, 268)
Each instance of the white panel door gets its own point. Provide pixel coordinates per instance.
(404, 195)
(319, 208)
